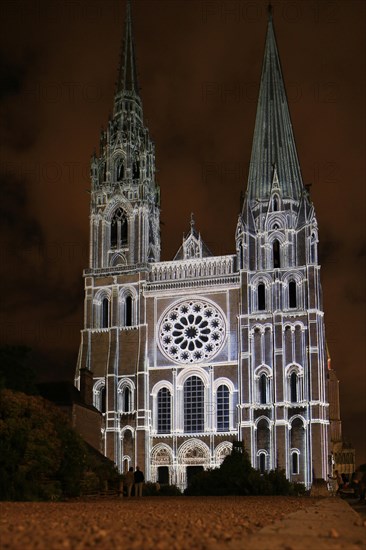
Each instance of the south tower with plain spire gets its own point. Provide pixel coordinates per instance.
(184, 357)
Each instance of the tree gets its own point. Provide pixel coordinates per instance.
(41, 455)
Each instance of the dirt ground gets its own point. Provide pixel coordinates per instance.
(158, 523)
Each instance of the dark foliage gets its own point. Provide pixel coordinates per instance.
(156, 490)
(41, 456)
(237, 477)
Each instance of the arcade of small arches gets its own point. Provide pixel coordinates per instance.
(126, 314)
(120, 169)
(292, 296)
(125, 396)
(176, 467)
(296, 445)
(277, 252)
(293, 385)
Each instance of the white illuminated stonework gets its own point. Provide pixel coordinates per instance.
(191, 354)
(192, 332)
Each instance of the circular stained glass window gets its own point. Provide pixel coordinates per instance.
(191, 332)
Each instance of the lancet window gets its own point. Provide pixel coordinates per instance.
(119, 229)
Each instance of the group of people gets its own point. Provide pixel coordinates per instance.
(340, 484)
(134, 479)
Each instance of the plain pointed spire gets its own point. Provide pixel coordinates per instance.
(127, 77)
(273, 141)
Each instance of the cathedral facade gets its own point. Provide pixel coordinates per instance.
(184, 357)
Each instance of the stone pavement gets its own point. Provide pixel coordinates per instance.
(330, 524)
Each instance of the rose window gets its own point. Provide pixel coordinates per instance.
(192, 332)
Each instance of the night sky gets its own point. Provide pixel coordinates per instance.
(199, 65)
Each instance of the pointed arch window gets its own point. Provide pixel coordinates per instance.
(262, 462)
(261, 295)
(120, 170)
(119, 229)
(222, 407)
(99, 396)
(136, 169)
(263, 384)
(276, 254)
(125, 397)
(295, 462)
(128, 311)
(292, 294)
(103, 173)
(126, 400)
(194, 405)
(164, 411)
(293, 387)
(105, 313)
(313, 249)
(275, 204)
(240, 255)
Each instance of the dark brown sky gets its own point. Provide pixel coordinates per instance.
(199, 64)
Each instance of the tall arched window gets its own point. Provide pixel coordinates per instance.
(119, 229)
(222, 404)
(276, 254)
(164, 411)
(240, 256)
(275, 204)
(263, 388)
(125, 397)
(120, 170)
(105, 313)
(103, 399)
(99, 396)
(136, 169)
(293, 388)
(262, 462)
(261, 293)
(128, 311)
(292, 297)
(194, 401)
(295, 462)
(126, 400)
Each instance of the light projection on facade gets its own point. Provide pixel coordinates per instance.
(191, 354)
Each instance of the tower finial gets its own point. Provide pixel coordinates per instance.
(192, 221)
(269, 10)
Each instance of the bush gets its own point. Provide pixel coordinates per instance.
(236, 476)
(155, 490)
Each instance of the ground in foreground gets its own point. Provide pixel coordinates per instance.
(159, 523)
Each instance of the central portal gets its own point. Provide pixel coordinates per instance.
(191, 472)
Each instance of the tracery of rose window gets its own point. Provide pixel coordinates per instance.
(191, 332)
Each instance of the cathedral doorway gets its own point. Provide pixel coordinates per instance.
(192, 471)
(163, 475)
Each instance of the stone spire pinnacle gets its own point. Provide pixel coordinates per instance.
(127, 75)
(273, 141)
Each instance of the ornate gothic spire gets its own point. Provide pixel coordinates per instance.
(127, 74)
(273, 142)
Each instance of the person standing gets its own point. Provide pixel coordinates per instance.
(129, 480)
(139, 481)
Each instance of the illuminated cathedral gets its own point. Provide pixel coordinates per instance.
(184, 357)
